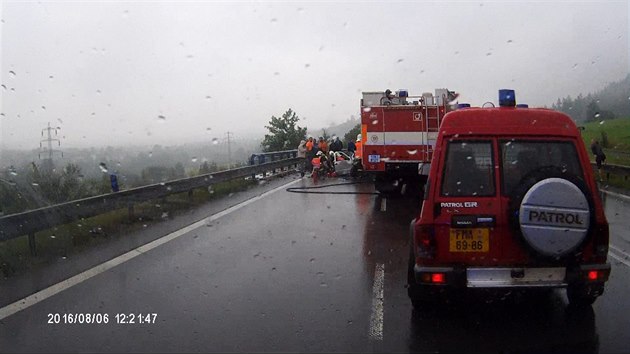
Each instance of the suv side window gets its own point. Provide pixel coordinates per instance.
(468, 169)
(521, 157)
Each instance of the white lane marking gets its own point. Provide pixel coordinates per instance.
(624, 261)
(619, 250)
(376, 319)
(618, 195)
(383, 204)
(103, 267)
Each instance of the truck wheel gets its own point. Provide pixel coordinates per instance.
(387, 186)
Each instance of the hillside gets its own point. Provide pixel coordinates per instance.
(339, 130)
(617, 132)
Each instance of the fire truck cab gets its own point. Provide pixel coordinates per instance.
(398, 134)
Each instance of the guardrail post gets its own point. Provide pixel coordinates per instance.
(251, 163)
(31, 244)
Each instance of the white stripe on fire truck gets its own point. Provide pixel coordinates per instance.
(401, 138)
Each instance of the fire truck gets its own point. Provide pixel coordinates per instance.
(398, 134)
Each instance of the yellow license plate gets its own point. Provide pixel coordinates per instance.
(469, 240)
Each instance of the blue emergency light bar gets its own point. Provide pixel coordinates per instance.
(522, 105)
(507, 98)
(463, 105)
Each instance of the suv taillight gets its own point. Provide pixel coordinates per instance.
(425, 241)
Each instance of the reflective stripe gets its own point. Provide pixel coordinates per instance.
(401, 138)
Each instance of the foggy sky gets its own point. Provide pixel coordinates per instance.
(106, 71)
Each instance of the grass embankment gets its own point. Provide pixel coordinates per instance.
(614, 136)
(63, 241)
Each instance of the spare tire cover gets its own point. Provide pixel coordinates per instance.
(554, 217)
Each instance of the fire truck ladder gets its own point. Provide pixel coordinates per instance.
(431, 128)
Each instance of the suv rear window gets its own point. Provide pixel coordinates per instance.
(521, 157)
(468, 169)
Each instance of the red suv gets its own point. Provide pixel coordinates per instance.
(511, 202)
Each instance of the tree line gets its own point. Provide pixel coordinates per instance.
(613, 101)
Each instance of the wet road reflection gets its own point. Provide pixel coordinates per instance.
(298, 272)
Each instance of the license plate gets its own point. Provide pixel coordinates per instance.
(374, 158)
(469, 240)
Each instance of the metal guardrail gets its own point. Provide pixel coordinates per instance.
(609, 169)
(30, 222)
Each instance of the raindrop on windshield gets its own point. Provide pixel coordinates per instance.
(510, 41)
(164, 215)
(194, 159)
(12, 73)
(412, 152)
(43, 108)
(4, 87)
(375, 121)
(161, 118)
(367, 109)
(53, 236)
(597, 114)
(602, 122)
(274, 20)
(215, 141)
(103, 167)
(208, 97)
(12, 171)
(276, 73)
(307, 65)
(575, 66)
(400, 60)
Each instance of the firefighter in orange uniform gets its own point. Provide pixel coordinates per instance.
(359, 144)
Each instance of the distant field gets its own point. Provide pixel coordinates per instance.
(618, 131)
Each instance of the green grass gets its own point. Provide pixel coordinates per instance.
(63, 241)
(618, 131)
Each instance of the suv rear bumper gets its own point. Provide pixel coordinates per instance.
(495, 277)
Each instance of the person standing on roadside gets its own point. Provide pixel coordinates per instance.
(310, 154)
(323, 145)
(600, 157)
(351, 148)
(301, 152)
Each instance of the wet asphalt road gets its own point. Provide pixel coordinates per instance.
(297, 272)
